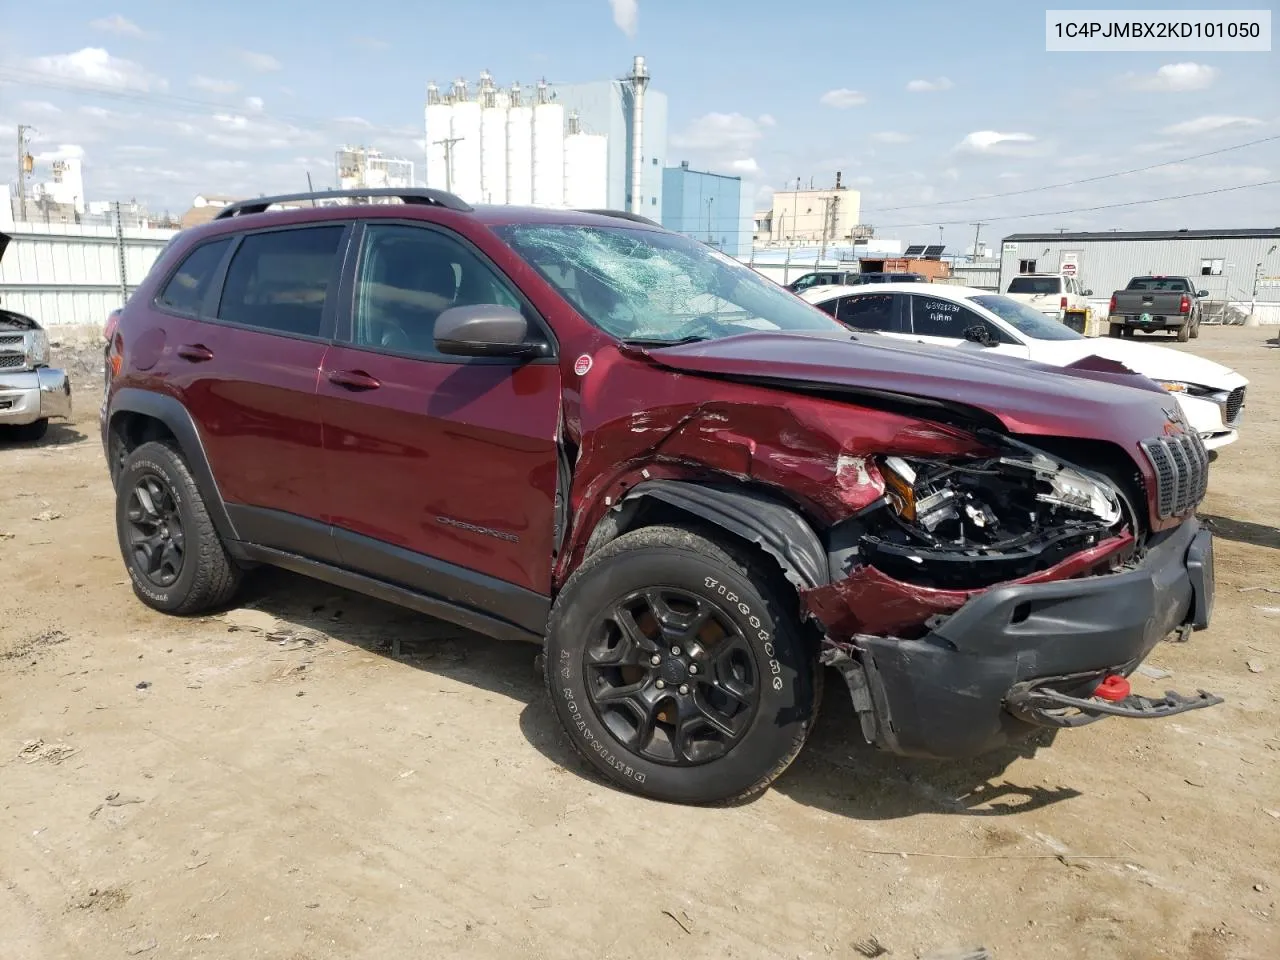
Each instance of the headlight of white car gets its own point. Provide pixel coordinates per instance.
(38, 349)
(1187, 389)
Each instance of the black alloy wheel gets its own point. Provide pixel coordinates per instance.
(672, 676)
(157, 539)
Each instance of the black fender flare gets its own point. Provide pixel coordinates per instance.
(169, 411)
(774, 526)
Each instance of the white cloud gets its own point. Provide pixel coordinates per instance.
(992, 141)
(891, 136)
(727, 133)
(353, 122)
(94, 65)
(929, 86)
(843, 98)
(65, 151)
(260, 62)
(213, 85)
(1174, 78)
(1210, 124)
(626, 15)
(253, 104)
(747, 167)
(766, 120)
(120, 26)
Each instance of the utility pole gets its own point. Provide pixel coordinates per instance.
(977, 231)
(124, 279)
(448, 143)
(710, 201)
(24, 167)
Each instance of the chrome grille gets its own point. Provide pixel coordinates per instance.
(10, 360)
(11, 339)
(1235, 402)
(1181, 464)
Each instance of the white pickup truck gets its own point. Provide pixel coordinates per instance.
(1056, 295)
(30, 390)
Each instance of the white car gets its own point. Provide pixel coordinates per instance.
(1053, 294)
(1211, 395)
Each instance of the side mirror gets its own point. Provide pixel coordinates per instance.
(1201, 294)
(484, 330)
(978, 333)
(1088, 293)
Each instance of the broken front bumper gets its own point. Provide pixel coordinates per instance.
(34, 395)
(1001, 665)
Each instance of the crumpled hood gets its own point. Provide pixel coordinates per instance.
(1026, 397)
(1148, 359)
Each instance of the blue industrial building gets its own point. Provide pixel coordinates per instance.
(706, 207)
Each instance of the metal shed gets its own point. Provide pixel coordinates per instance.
(1232, 265)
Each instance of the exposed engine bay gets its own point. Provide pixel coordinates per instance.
(965, 523)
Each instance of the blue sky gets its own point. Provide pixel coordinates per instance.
(915, 103)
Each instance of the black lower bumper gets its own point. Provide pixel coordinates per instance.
(1001, 665)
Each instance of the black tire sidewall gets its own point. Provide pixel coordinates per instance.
(153, 458)
(782, 714)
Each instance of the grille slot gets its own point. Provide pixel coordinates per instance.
(1181, 465)
(11, 339)
(9, 361)
(1235, 402)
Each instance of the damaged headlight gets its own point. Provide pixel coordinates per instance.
(965, 522)
(1070, 488)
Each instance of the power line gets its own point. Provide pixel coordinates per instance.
(1074, 183)
(1104, 206)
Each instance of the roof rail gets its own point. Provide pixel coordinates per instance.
(415, 195)
(623, 215)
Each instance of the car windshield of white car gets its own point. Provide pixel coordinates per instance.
(1035, 285)
(1026, 320)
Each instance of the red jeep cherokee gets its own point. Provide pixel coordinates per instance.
(693, 488)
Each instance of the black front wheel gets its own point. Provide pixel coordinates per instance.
(676, 666)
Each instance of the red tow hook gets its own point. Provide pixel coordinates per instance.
(1113, 688)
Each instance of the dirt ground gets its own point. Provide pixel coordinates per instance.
(273, 783)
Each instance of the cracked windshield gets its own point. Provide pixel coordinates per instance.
(646, 286)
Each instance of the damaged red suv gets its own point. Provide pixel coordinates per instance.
(694, 489)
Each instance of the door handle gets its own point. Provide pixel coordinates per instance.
(354, 380)
(195, 352)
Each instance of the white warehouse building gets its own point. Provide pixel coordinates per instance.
(496, 147)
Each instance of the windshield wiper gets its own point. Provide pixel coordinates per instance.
(658, 342)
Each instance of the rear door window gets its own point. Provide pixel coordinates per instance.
(870, 311)
(186, 289)
(278, 281)
(934, 317)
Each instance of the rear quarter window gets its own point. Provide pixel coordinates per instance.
(186, 289)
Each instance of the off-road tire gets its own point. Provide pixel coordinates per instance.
(790, 679)
(209, 577)
(1116, 329)
(1184, 332)
(30, 432)
(1195, 331)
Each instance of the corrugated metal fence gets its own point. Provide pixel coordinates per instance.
(65, 274)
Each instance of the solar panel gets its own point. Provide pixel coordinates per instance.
(914, 250)
(934, 251)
